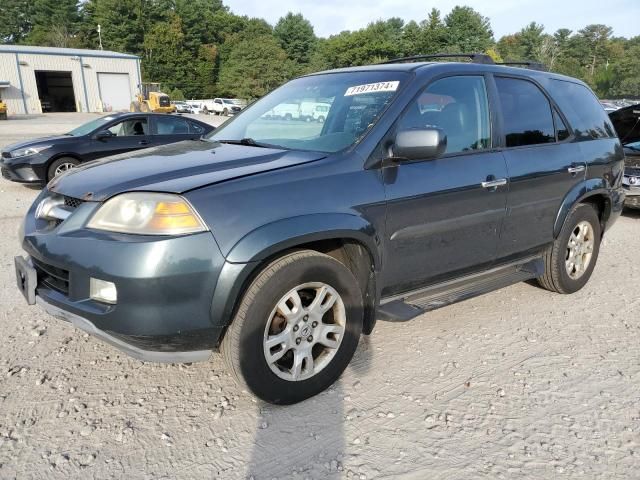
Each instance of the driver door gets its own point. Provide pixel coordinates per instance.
(126, 135)
(442, 218)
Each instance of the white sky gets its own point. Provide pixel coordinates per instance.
(507, 16)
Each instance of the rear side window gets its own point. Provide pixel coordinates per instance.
(581, 107)
(195, 128)
(171, 126)
(526, 113)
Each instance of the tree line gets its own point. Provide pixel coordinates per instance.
(200, 49)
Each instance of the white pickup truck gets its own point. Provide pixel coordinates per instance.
(226, 106)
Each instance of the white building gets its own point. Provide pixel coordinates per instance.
(66, 80)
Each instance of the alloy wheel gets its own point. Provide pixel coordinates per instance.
(304, 331)
(579, 250)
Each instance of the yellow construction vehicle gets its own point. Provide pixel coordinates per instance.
(151, 99)
(3, 105)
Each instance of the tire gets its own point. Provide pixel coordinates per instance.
(3, 116)
(320, 119)
(244, 345)
(205, 110)
(288, 117)
(557, 277)
(57, 167)
(225, 112)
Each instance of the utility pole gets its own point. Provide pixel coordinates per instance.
(99, 37)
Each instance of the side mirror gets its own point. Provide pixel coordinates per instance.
(103, 135)
(419, 143)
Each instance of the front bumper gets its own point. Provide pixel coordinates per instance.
(20, 172)
(131, 350)
(165, 285)
(632, 198)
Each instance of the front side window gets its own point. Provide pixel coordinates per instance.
(526, 113)
(171, 126)
(350, 104)
(458, 106)
(130, 128)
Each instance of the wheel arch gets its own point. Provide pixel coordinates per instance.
(353, 247)
(593, 191)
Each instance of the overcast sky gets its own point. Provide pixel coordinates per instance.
(507, 16)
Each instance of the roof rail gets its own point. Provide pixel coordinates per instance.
(474, 57)
(531, 65)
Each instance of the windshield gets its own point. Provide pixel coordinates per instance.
(91, 126)
(324, 113)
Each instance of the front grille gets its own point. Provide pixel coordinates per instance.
(52, 277)
(72, 202)
(5, 173)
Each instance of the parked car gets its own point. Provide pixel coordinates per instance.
(226, 106)
(196, 105)
(40, 160)
(182, 107)
(281, 246)
(627, 124)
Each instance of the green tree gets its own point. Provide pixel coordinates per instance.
(531, 40)
(253, 67)
(467, 31)
(165, 57)
(54, 23)
(16, 20)
(296, 37)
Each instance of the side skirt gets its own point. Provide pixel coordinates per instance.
(406, 306)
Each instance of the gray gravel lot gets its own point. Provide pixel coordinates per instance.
(519, 383)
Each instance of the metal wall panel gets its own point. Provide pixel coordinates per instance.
(85, 78)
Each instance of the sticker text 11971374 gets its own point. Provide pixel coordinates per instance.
(372, 87)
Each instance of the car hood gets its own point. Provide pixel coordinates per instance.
(174, 168)
(37, 141)
(626, 121)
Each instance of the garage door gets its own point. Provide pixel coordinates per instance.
(115, 91)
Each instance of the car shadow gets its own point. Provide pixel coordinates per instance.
(306, 440)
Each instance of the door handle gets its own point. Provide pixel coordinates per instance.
(576, 169)
(143, 142)
(494, 183)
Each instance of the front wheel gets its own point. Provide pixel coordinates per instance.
(60, 166)
(570, 261)
(296, 329)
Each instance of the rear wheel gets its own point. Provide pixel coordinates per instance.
(296, 329)
(61, 165)
(225, 112)
(320, 119)
(570, 261)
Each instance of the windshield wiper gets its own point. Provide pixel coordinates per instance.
(249, 142)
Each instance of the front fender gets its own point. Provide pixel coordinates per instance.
(287, 233)
(588, 188)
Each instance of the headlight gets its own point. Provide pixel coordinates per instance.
(146, 213)
(25, 152)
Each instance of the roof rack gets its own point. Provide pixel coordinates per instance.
(474, 57)
(531, 65)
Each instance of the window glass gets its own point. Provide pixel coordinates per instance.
(562, 132)
(171, 126)
(526, 113)
(196, 128)
(129, 128)
(324, 113)
(582, 109)
(457, 105)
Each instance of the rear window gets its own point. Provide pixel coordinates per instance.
(581, 107)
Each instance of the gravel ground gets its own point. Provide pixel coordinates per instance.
(519, 383)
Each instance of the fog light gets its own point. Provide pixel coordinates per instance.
(103, 291)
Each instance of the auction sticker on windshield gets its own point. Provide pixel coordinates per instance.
(372, 87)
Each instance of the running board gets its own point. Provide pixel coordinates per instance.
(407, 306)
